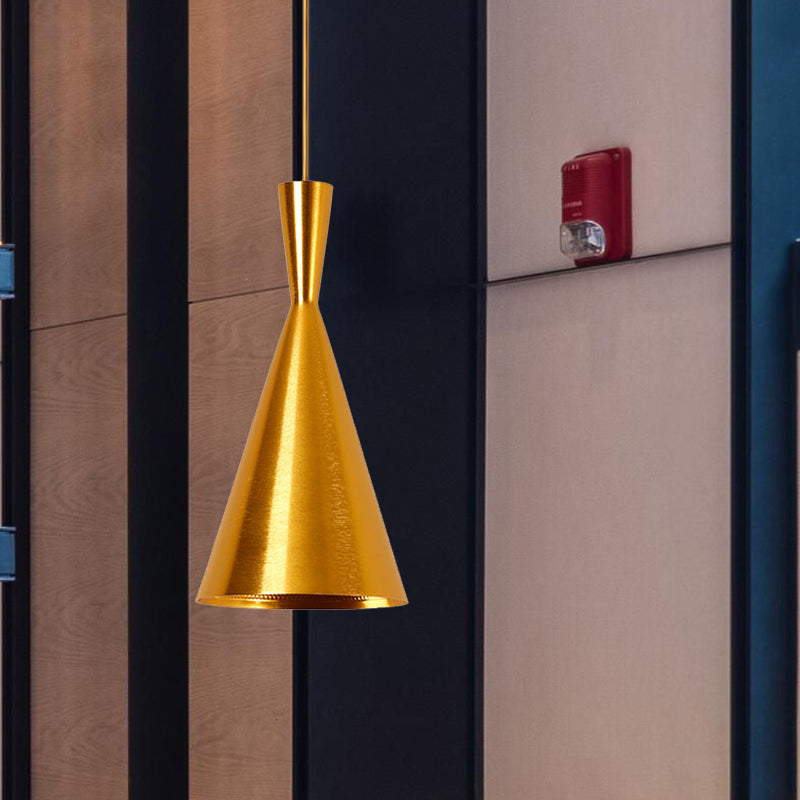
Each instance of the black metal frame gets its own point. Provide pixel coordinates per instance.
(740, 436)
(16, 779)
(482, 276)
(158, 390)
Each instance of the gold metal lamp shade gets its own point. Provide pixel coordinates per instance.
(302, 528)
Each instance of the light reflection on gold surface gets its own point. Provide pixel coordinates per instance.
(302, 528)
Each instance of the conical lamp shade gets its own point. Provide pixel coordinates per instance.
(302, 528)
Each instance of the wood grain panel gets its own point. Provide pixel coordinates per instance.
(240, 662)
(607, 654)
(78, 160)
(240, 123)
(79, 561)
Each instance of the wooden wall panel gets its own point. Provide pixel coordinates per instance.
(79, 562)
(78, 160)
(79, 680)
(240, 149)
(240, 143)
(607, 651)
(240, 661)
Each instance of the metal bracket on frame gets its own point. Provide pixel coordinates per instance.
(6, 271)
(7, 554)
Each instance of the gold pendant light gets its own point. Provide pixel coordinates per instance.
(302, 528)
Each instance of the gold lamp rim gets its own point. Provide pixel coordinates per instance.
(306, 180)
(302, 602)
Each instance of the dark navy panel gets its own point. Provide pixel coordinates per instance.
(158, 391)
(392, 696)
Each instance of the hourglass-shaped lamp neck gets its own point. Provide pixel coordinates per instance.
(305, 214)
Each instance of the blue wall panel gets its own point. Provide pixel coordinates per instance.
(766, 214)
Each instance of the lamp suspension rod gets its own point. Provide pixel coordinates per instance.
(305, 88)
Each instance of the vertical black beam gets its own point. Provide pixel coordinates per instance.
(740, 429)
(481, 275)
(393, 710)
(16, 781)
(158, 398)
(766, 219)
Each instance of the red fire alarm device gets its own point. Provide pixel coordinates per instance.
(596, 207)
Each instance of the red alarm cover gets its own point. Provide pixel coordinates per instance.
(596, 207)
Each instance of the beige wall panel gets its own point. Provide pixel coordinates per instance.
(607, 534)
(566, 78)
(240, 668)
(79, 562)
(78, 160)
(240, 143)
